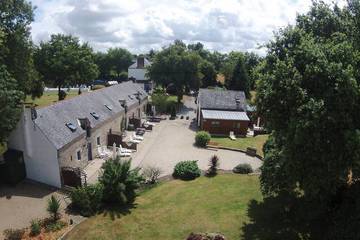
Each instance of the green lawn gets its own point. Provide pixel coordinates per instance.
(49, 98)
(242, 143)
(174, 209)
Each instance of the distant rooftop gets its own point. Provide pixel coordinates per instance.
(222, 99)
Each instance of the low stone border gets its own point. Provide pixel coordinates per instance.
(234, 149)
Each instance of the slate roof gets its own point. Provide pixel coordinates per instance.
(224, 115)
(135, 65)
(52, 119)
(221, 99)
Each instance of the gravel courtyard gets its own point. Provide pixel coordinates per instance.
(172, 141)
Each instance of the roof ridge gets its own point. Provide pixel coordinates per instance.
(65, 101)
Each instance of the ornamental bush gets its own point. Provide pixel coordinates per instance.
(187, 170)
(87, 199)
(119, 181)
(202, 138)
(243, 168)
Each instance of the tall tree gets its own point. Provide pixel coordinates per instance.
(17, 48)
(309, 95)
(208, 72)
(177, 66)
(63, 61)
(119, 59)
(10, 101)
(240, 79)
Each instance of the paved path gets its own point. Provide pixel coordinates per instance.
(23, 203)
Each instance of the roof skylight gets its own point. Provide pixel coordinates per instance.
(71, 126)
(108, 107)
(95, 115)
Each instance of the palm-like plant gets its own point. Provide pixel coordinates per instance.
(53, 207)
(119, 181)
(213, 165)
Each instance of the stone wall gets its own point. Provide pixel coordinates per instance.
(68, 154)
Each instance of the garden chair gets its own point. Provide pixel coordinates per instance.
(137, 137)
(132, 140)
(125, 150)
(122, 154)
(232, 135)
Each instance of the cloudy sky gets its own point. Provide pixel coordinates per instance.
(141, 25)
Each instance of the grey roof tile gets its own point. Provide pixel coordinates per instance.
(135, 65)
(221, 99)
(52, 119)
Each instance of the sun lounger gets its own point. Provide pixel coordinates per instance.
(136, 137)
(125, 150)
(132, 140)
(122, 154)
(232, 136)
(101, 154)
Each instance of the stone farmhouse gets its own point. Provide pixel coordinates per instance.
(68, 133)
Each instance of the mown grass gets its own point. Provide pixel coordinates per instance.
(49, 98)
(174, 209)
(242, 143)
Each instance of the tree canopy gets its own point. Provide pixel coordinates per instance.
(17, 49)
(63, 61)
(239, 78)
(309, 94)
(178, 66)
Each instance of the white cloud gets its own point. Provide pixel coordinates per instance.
(141, 25)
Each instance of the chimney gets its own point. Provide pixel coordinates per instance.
(238, 104)
(140, 62)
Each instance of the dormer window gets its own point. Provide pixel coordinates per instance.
(71, 126)
(108, 107)
(95, 115)
(85, 125)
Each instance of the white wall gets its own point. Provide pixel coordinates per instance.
(139, 74)
(40, 155)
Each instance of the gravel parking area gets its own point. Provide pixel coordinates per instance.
(172, 141)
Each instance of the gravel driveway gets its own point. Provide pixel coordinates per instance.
(23, 203)
(172, 141)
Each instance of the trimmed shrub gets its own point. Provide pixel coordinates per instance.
(243, 168)
(119, 181)
(187, 170)
(87, 200)
(62, 95)
(35, 228)
(202, 138)
(97, 87)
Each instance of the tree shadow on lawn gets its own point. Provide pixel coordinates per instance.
(284, 217)
(115, 211)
